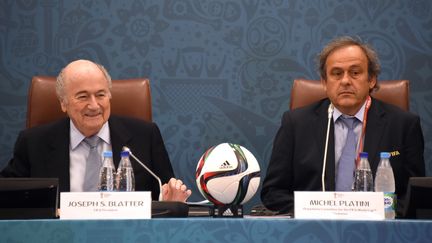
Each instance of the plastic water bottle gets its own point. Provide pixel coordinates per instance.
(384, 182)
(125, 179)
(107, 173)
(363, 180)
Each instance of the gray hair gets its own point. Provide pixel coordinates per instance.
(374, 67)
(60, 82)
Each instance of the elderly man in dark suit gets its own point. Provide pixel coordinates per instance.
(349, 71)
(59, 150)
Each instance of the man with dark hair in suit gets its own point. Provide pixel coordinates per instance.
(348, 69)
(59, 149)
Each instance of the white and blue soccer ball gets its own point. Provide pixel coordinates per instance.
(228, 174)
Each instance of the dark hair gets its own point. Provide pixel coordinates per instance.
(374, 67)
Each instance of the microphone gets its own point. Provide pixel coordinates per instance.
(330, 116)
(147, 169)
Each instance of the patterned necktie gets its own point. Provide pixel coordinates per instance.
(346, 164)
(93, 165)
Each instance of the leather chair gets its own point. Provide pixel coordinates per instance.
(305, 92)
(130, 97)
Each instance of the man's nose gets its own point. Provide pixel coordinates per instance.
(345, 78)
(93, 102)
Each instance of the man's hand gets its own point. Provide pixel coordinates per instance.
(175, 190)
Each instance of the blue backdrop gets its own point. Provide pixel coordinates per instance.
(220, 71)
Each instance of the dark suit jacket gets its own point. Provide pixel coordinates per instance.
(298, 149)
(43, 151)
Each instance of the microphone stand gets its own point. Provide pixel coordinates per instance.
(147, 169)
(330, 116)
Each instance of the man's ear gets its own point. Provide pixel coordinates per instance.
(324, 84)
(372, 82)
(63, 105)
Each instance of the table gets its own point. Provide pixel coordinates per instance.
(216, 230)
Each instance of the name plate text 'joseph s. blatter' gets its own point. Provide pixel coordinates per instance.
(105, 205)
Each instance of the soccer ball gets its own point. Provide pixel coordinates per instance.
(228, 174)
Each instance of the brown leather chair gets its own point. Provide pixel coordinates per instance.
(305, 92)
(130, 97)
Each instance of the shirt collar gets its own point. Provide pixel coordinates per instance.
(359, 115)
(76, 136)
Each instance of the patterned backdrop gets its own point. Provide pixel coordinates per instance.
(220, 71)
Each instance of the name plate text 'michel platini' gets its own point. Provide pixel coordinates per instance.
(339, 205)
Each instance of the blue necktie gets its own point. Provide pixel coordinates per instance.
(346, 164)
(93, 165)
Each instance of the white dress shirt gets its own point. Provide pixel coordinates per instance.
(78, 153)
(341, 131)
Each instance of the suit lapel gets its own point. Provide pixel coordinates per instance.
(320, 122)
(120, 136)
(376, 123)
(57, 158)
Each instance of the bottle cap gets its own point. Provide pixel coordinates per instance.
(107, 154)
(363, 155)
(385, 155)
(124, 153)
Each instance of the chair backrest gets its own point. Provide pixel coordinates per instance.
(130, 97)
(305, 92)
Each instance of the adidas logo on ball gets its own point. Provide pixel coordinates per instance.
(225, 165)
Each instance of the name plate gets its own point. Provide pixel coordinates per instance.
(339, 205)
(105, 205)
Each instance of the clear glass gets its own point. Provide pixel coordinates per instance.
(106, 175)
(125, 179)
(363, 179)
(384, 182)
(384, 178)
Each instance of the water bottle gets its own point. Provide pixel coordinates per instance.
(363, 180)
(384, 182)
(125, 179)
(107, 173)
